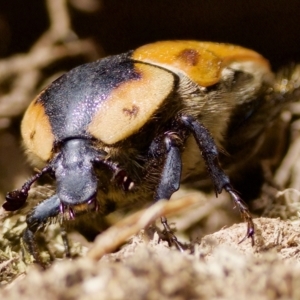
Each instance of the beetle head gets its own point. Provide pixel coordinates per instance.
(75, 176)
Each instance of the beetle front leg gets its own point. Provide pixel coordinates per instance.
(220, 180)
(17, 198)
(171, 172)
(36, 220)
(170, 179)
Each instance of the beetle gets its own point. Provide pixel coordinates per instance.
(131, 128)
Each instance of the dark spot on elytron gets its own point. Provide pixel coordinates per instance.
(131, 112)
(32, 134)
(189, 56)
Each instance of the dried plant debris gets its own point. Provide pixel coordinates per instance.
(219, 268)
(23, 75)
(50, 241)
(146, 267)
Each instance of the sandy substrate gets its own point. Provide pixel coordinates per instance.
(145, 267)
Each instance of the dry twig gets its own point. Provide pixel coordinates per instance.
(22, 74)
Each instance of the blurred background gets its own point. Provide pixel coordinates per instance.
(270, 27)
(39, 40)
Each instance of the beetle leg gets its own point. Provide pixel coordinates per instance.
(244, 212)
(170, 181)
(170, 176)
(36, 220)
(17, 198)
(170, 234)
(221, 181)
(65, 240)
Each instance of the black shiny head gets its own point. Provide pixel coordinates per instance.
(74, 172)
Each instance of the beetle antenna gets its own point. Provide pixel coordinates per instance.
(17, 198)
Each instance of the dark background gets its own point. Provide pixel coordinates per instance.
(270, 27)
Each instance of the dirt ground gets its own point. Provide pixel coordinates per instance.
(217, 267)
(131, 258)
(127, 259)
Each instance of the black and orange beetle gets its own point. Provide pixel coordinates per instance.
(131, 127)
